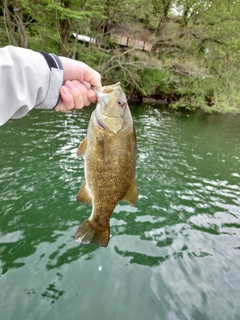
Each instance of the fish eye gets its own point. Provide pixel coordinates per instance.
(121, 103)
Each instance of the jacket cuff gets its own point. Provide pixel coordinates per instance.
(52, 60)
(56, 80)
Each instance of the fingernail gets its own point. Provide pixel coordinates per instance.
(64, 90)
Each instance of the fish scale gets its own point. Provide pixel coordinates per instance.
(110, 163)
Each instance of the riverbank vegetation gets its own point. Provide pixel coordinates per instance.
(185, 52)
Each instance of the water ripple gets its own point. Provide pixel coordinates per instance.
(174, 256)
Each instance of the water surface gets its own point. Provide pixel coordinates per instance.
(175, 256)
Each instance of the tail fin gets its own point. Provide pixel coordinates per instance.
(87, 233)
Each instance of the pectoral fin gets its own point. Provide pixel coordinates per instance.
(105, 149)
(104, 145)
(131, 196)
(82, 148)
(83, 194)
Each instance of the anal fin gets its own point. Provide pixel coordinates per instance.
(131, 196)
(83, 194)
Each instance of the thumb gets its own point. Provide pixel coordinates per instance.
(92, 76)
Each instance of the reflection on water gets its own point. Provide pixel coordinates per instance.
(174, 256)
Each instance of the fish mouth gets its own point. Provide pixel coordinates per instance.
(103, 93)
(95, 88)
(106, 89)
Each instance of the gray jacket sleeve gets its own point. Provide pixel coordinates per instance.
(28, 79)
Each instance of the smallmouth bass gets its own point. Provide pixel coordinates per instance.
(110, 163)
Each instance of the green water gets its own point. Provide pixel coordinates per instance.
(175, 256)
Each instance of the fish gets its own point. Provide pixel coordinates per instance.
(109, 151)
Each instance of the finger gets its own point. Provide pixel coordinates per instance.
(60, 107)
(83, 88)
(66, 102)
(67, 98)
(92, 96)
(77, 94)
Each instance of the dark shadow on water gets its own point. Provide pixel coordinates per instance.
(141, 259)
(52, 293)
(57, 259)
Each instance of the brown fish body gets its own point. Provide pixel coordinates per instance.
(110, 162)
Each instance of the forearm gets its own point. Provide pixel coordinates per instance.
(27, 80)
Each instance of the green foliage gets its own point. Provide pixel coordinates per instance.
(156, 81)
(208, 94)
(195, 56)
(92, 55)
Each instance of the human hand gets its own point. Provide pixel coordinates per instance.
(76, 91)
(75, 95)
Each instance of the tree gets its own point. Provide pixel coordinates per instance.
(14, 23)
(195, 55)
